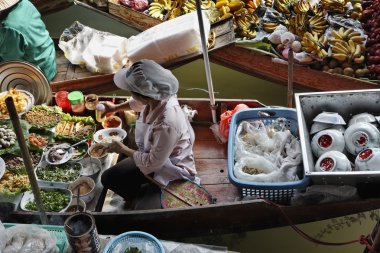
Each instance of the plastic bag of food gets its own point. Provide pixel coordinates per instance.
(169, 40)
(29, 239)
(100, 52)
(3, 237)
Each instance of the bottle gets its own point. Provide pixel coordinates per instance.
(100, 108)
(76, 100)
(90, 101)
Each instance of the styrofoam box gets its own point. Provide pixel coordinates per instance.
(347, 104)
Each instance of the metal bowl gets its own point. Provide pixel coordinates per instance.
(330, 117)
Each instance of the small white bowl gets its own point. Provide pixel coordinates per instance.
(319, 126)
(99, 151)
(330, 117)
(87, 185)
(106, 136)
(360, 136)
(362, 117)
(368, 160)
(90, 167)
(327, 140)
(333, 161)
(110, 122)
(2, 167)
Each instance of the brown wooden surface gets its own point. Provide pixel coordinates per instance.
(249, 62)
(49, 6)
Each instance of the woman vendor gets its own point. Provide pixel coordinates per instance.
(163, 133)
(23, 36)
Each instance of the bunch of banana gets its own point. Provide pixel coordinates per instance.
(301, 6)
(314, 45)
(347, 34)
(334, 5)
(190, 5)
(317, 24)
(297, 24)
(269, 27)
(224, 10)
(357, 11)
(211, 39)
(162, 9)
(246, 24)
(283, 6)
(251, 5)
(268, 3)
(346, 45)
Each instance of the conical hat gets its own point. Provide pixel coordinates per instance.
(5, 4)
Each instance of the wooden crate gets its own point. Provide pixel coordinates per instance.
(135, 19)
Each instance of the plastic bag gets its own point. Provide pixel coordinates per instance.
(325, 193)
(266, 153)
(225, 119)
(100, 52)
(3, 237)
(168, 40)
(29, 239)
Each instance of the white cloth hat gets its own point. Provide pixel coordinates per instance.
(148, 78)
(5, 4)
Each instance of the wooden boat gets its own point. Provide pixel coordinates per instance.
(226, 53)
(229, 214)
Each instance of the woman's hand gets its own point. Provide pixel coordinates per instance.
(120, 148)
(109, 108)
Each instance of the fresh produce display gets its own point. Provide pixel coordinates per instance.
(371, 24)
(65, 173)
(37, 140)
(12, 183)
(327, 35)
(53, 201)
(16, 164)
(74, 130)
(43, 116)
(7, 137)
(20, 101)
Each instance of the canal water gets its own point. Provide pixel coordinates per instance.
(229, 83)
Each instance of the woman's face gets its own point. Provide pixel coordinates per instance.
(141, 99)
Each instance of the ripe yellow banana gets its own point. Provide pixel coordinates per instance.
(357, 51)
(357, 39)
(221, 3)
(339, 57)
(359, 60)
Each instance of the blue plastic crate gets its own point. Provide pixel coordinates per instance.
(277, 192)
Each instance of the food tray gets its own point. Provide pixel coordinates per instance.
(28, 196)
(144, 241)
(347, 104)
(57, 231)
(280, 192)
(46, 183)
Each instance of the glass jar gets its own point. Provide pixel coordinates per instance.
(90, 101)
(100, 108)
(62, 101)
(76, 100)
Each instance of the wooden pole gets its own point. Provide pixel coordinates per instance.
(290, 77)
(26, 157)
(376, 239)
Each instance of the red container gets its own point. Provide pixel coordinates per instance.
(62, 101)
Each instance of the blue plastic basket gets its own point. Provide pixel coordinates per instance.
(133, 239)
(57, 231)
(277, 192)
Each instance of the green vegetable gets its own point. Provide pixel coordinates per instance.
(53, 201)
(66, 172)
(132, 250)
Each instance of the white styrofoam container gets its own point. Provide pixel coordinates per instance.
(347, 104)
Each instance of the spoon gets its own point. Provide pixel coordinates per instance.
(78, 199)
(73, 145)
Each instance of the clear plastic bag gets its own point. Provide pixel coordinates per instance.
(29, 239)
(100, 52)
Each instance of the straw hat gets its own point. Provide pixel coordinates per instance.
(5, 4)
